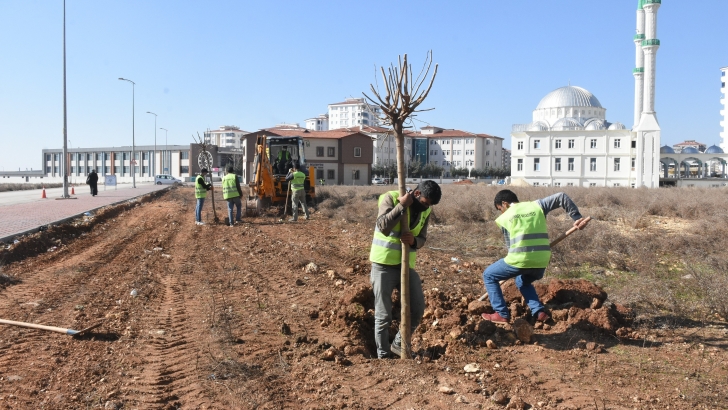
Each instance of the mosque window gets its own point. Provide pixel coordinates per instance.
(592, 164)
(520, 145)
(634, 144)
(617, 143)
(593, 143)
(519, 166)
(536, 144)
(582, 112)
(616, 164)
(557, 164)
(571, 164)
(571, 144)
(537, 164)
(557, 144)
(569, 184)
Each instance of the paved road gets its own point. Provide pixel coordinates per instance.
(25, 211)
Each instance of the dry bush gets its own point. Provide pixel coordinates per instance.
(27, 186)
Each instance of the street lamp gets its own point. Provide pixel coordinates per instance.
(65, 116)
(164, 160)
(133, 160)
(154, 167)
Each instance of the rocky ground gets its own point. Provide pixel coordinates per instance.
(268, 314)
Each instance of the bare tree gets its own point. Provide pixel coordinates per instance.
(404, 95)
(205, 160)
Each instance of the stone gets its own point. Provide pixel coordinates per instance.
(456, 332)
(461, 399)
(311, 268)
(596, 303)
(491, 344)
(299, 282)
(523, 330)
(477, 307)
(499, 397)
(471, 368)
(332, 274)
(445, 390)
(516, 403)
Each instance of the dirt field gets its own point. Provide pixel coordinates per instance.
(279, 315)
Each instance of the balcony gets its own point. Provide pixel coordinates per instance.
(646, 2)
(639, 36)
(638, 70)
(650, 42)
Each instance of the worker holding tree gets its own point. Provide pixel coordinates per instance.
(386, 257)
(232, 192)
(298, 193)
(526, 235)
(201, 188)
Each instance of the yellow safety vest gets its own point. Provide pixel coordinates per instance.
(528, 235)
(200, 189)
(387, 249)
(297, 182)
(229, 189)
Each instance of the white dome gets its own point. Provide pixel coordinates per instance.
(594, 125)
(566, 124)
(617, 126)
(569, 96)
(539, 126)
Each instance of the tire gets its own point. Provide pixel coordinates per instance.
(159, 183)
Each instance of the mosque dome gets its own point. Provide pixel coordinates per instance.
(714, 149)
(690, 150)
(566, 124)
(594, 124)
(666, 149)
(569, 96)
(539, 126)
(617, 126)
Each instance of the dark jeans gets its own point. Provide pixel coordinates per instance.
(198, 209)
(525, 277)
(235, 202)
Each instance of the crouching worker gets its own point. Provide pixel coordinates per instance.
(526, 235)
(386, 258)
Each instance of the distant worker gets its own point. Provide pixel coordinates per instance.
(524, 227)
(92, 180)
(232, 193)
(284, 157)
(298, 193)
(201, 189)
(322, 182)
(386, 258)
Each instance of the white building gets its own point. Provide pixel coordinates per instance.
(450, 148)
(352, 112)
(570, 141)
(320, 123)
(724, 111)
(228, 136)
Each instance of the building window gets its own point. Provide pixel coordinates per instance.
(634, 144)
(535, 184)
(330, 174)
(48, 169)
(593, 143)
(48, 157)
(355, 175)
(616, 164)
(557, 183)
(570, 164)
(184, 155)
(357, 152)
(571, 144)
(184, 169)
(569, 184)
(592, 184)
(615, 184)
(536, 144)
(487, 142)
(319, 151)
(617, 143)
(557, 144)
(520, 165)
(633, 161)
(520, 145)
(592, 164)
(557, 164)
(319, 174)
(537, 164)
(331, 152)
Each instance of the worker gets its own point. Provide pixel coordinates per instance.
(284, 157)
(386, 257)
(232, 193)
(298, 193)
(526, 235)
(322, 182)
(201, 189)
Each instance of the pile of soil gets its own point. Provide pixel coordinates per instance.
(267, 314)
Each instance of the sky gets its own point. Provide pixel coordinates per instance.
(202, 64)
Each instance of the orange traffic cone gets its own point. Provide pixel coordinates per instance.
(43, 195)
(73, 192)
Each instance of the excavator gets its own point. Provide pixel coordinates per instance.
(273, 158)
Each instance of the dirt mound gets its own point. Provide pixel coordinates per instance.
(464, 182)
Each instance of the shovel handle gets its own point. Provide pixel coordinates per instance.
(41, 327)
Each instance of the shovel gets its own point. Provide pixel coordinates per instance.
(69, 332)
(285, 208)
(554, 242)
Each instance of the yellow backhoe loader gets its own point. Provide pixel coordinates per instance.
(274, 157)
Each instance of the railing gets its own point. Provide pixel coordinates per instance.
(651, 42)
(639, 36)
(638, 70)
(646, 2)
(520, 127)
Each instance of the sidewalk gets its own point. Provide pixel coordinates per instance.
(26, 217)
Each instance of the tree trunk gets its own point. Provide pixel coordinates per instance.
(404, 325)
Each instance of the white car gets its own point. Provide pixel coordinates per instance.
(166, 180)
(377, 181)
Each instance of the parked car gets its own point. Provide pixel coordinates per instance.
(166, 180)
(377, 181)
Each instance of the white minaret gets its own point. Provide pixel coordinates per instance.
(639, 65)
(724, 111)
(647, 131)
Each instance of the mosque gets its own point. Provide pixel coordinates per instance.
(570, 142)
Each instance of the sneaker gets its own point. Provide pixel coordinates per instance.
(543, 316)
(307, 218)
(232, 226)
(495, 317)
(199, 223)
(396, 350)
(292, 220)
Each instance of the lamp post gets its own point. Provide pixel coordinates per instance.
(65, 117)
(154, 167)
(133, 160)
(164, 160)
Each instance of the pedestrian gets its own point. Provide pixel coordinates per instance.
(201, 188)
(526, 235)
(92, 180)
(386, 258)
(232, 193)
(298, 193)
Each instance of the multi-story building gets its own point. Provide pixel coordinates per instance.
(506, 158)
(320, 123)
(450, 148)
(227, 136)
(724, 111)
(681, 146)
(352, 112)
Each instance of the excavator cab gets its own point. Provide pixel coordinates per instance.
(274, 157)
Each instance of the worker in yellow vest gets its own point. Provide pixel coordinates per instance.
(386, 258)
(298, 194)
(524, 227)
(201, 188)
(232, 193)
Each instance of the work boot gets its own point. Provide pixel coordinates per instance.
(397, 350)
(495, 317)
(543, 316)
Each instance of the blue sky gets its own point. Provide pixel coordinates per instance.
(203, 64)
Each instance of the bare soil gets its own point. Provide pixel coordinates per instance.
(272, 315)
